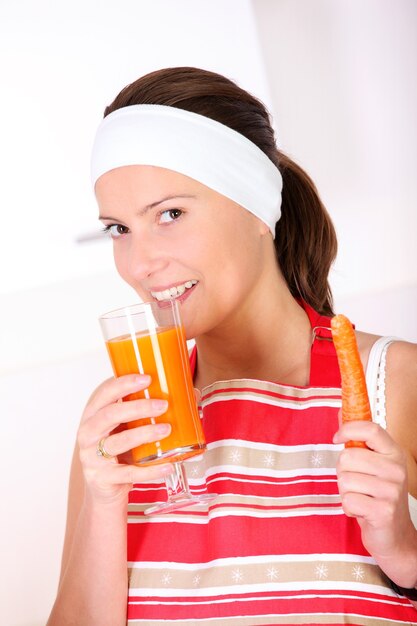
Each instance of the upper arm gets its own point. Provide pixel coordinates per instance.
(401, 402)
(74, 504)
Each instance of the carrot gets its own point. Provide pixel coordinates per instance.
(355, 401)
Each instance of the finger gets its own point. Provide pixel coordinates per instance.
(132, 474)
(375, 437)
(110, 417)
(197, 394)
(132, 438)
(365, 484)
(357, 505)
(378, 513)
(368, 462)
(115, 389)
(107, 474)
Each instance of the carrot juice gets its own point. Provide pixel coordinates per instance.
(163, 355)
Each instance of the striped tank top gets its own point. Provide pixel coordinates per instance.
(274, 546)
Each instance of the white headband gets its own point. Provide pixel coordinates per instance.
(193, 145)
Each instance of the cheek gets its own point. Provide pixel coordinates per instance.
(121, 263)
(238, 259)
(233, 276)
(118, 260)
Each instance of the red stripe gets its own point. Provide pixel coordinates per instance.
(243, 536)
(277, 425)
(270, 488)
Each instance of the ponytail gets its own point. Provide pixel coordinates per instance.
(305, 238)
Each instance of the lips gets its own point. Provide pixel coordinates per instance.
(174, 292)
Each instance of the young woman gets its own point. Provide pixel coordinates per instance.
(202, 206)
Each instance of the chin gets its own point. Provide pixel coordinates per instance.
(190, 331)
(192, 328)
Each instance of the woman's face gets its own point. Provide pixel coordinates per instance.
(174, 237)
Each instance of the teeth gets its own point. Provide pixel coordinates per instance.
(173, 292)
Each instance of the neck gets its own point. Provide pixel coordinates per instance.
(269, 339)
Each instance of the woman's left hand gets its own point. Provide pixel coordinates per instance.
(373, 488)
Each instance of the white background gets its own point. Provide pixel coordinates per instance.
(339, 80)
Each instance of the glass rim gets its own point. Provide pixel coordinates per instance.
(120, 312)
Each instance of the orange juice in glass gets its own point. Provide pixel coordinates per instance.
(148, 338)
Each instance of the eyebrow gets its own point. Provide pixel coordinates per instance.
(148, 207)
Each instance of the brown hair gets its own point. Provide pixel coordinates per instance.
(305, 239)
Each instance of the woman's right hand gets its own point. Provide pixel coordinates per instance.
(105, 479)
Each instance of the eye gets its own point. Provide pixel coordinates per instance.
(170, 215)
(116, 230)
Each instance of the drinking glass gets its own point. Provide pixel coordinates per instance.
(148, 338)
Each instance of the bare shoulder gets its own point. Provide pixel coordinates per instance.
(365, 342)
(401, 356)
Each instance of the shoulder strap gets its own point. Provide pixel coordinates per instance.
(375, 379)
(412, 503)
(324, 368)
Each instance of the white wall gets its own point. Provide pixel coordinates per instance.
(344, 92)
(64, 63)
(338, 78)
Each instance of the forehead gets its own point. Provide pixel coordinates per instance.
(135, 188)
(147, 183)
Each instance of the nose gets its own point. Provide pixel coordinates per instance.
(144, 258)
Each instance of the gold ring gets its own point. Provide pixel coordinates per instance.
(101, 451)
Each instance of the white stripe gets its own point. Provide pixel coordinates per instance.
(294, 404)
(305, 596)
(261, 471)
(254, 560)
(318, 585)
(254, 445)
(224, 512)
(140, 489)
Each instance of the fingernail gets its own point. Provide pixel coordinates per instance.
(143, 380)
(159, 405)
(163, 429)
